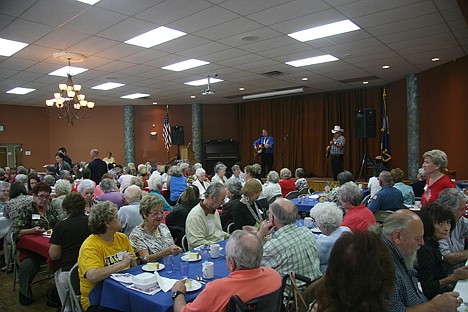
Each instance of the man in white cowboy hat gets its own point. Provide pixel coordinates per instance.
(336, 149)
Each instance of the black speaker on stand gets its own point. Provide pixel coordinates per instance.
(365, 122)
(177, 136)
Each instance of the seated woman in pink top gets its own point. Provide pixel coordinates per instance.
(358, 217)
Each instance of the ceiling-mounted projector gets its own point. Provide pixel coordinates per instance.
(208, 90)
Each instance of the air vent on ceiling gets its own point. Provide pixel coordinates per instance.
(274, 73)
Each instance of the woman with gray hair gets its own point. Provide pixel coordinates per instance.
(286, 182)
(108, 187)
(62, 188)
(176, 184)
(220, 174)
(328, 218)
(234, 195)
(86, 189)
(155, 183)
(201, 181)
(435, 166)
(358, 217)
(106, 251)
(152, 239)
(271, 188)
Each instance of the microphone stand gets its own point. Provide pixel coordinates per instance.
(282, 150)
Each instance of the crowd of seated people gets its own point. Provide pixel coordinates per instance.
(149, 221)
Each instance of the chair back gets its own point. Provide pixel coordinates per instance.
(230, 227)
(185, 244)
(366, 199)
(304, 191)
(292, 194)
(271, 201)
(74, 289)
(381, 215)
(271, 302)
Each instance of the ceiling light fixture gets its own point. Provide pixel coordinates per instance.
(70, 103)
(272, 94)
(19, 90)
(192, 63)
(435, 59)
(134, 96)
(10, 47)
(386, 66)
(313, 60)
(108, 86)
(90, 2)
(203, 81)
(156, 36)
(324, 31)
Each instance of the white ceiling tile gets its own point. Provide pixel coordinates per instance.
(144, 56)
(365, 7)
(127, 29)
(15, 8)
(94, 20)
(247, 7)
(24, 31)
(127, 7)
(172, 10)
(207, 18)
(230, 28)
(54, 13)
(120, 51)
(61, 39)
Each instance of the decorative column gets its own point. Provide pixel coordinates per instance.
(197, 132)
(412, 107)
(129, 134)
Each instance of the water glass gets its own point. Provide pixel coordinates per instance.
(205, 253)
(168, 263)
(184, 268)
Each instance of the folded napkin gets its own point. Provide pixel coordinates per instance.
(165, 283)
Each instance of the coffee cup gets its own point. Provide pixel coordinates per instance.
(214, 250)
(208, 270)
(308, 222)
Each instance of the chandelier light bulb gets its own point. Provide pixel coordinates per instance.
(77, 105)
(77, 88)
(90, 104)
(71, 94)
(56, 95)
(63, 86)
(49, 103)
(59, 105)
(81, 97)
(83, 103)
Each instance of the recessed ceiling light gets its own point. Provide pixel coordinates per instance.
(19, 90)
(305, 79)
(435, 59)
(108, 86)
(192, 96)
(386, 66)
(155, 103)
(10, 47)
(313, 60)
(156, 36)
(185, 65)
(324, 31)
(241, 89)
(91, 2)
(64, 71)
(203, 81)
(134, 96)
(365, 82)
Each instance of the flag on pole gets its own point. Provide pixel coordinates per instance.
(167, 131)
(385, 146)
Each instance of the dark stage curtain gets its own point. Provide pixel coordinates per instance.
(301, 128)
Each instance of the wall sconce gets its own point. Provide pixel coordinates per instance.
(153, 133)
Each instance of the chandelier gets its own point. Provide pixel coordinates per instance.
(70, 103)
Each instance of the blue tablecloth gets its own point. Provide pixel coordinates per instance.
(305, 204)
(112, 294)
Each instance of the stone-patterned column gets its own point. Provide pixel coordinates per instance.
(197, 132)
(129, 134)
(412, 107)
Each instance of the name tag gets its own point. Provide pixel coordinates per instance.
(426, 187)
(36, 216)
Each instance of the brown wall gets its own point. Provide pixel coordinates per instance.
(443, 95)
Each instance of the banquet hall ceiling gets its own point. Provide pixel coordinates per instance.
(241, 39)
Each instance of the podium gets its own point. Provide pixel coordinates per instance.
(186, 153)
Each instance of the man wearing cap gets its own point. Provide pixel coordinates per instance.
(336, 149)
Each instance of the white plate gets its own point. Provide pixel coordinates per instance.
(199, 247)
(46, 235)
(145, 268)
(316, 230)
(415, 209)
(186, 258)
(194, 287)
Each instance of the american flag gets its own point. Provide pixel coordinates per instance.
(167, 132)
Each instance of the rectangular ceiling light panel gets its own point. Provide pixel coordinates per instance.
(134, 96)
(324, 31)
(202, 82)
(10, 47)
(19, 90)
(313, 60)
(156, 36)
(192, 63)
(64, 71)
(108, 86)
(91, 2)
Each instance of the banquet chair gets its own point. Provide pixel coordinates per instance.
(185, 244)
(274, 198)
(229, 227)
(13, 261)
(381, 215)
(304, 191)
(366, 199)
(74, 289)
(292, 194)
(311, 191)
(271, 302)
(308, 294)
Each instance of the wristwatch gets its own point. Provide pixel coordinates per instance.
(176, 293)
